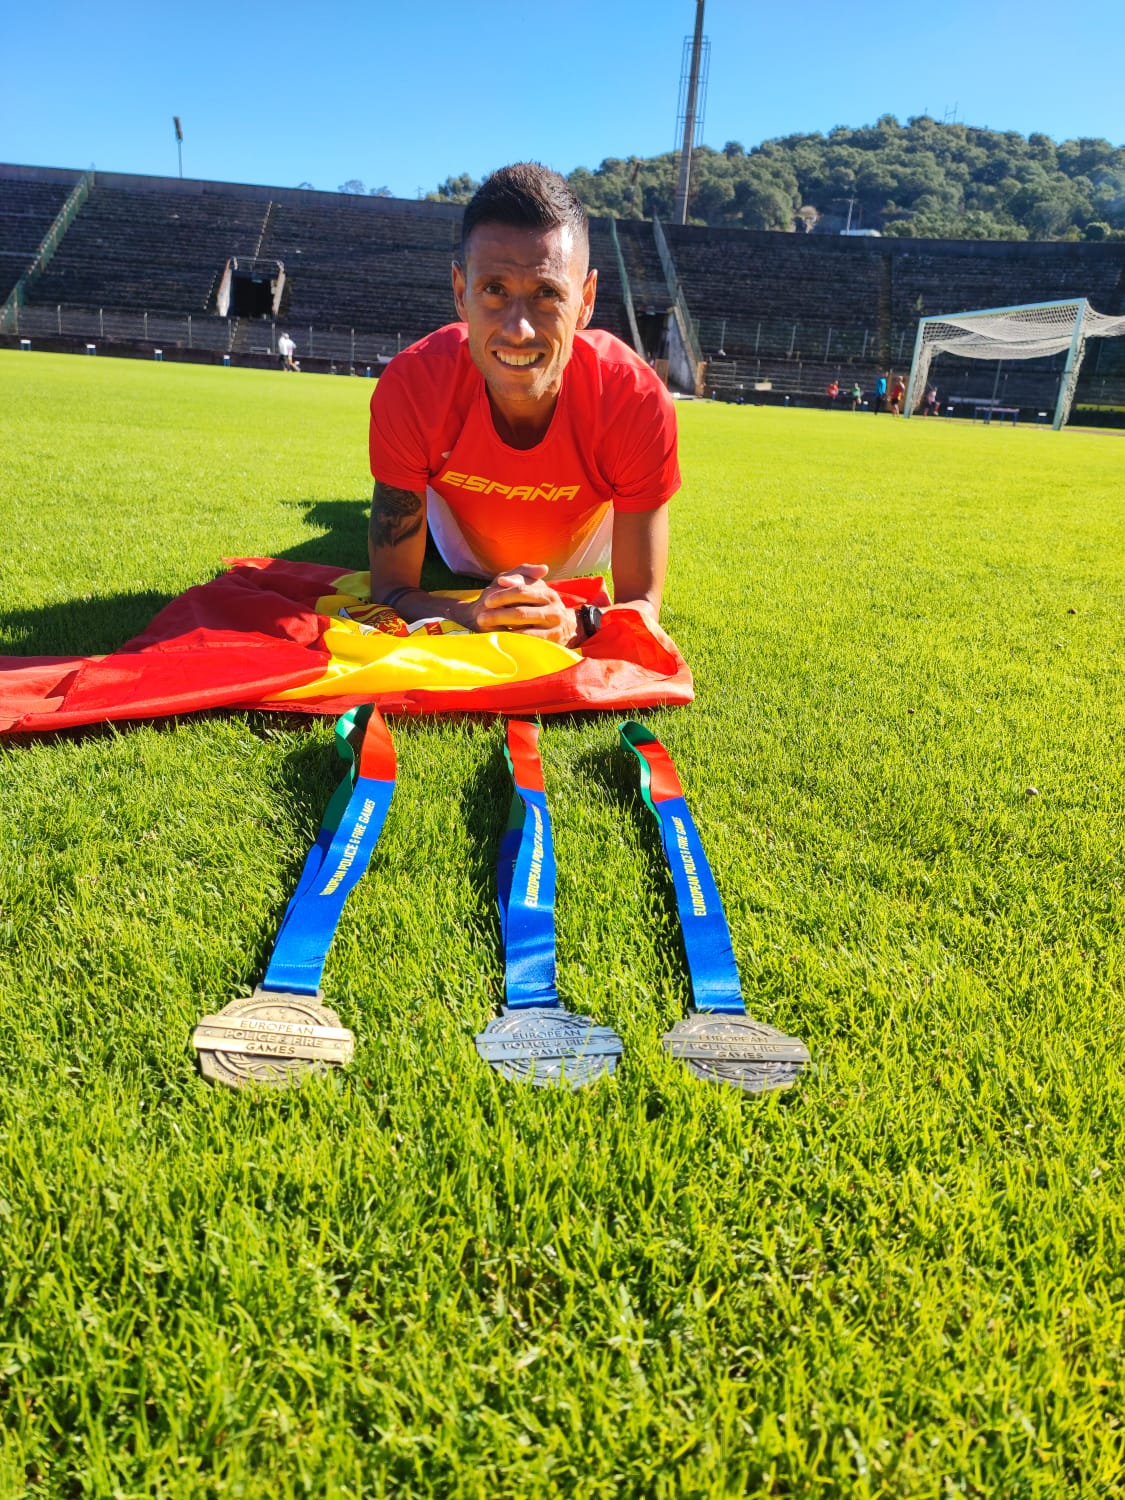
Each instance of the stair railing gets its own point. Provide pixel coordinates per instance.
(626, 289)
(17, 297)
(679, 302)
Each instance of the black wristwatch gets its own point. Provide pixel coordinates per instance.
(589, 619)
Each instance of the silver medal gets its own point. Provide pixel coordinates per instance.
(733, 1049)
(546, 1045)
(274, 1037)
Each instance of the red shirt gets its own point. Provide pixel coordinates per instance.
(611, 442)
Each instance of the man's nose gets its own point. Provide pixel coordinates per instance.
(517, 325)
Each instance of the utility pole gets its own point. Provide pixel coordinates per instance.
(683, 187)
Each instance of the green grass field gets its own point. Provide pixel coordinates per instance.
(906, 1277)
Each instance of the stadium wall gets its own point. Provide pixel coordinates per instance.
(790, 311)
(197, 187)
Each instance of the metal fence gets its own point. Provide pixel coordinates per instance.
(744, 338)
(762, 338)
(206, 332)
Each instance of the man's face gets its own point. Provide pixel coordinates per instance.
(523, 293)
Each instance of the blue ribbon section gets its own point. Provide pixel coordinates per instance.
(525, 879)
(715, 984)
(352, 824)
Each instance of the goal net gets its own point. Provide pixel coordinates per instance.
(1003, 333)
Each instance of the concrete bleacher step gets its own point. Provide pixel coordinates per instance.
(803, 307)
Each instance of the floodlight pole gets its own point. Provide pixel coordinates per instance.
(179, 141)
(683, 187)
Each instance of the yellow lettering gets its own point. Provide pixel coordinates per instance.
(535, 874)
(687, 859)
(479, 484)
(351, 849)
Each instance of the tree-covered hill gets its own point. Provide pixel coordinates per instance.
(924, 178)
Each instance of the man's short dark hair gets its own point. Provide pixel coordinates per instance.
(526, 195)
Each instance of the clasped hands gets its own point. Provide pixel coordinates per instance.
(521, 599)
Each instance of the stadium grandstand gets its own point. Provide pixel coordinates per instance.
(214, 271)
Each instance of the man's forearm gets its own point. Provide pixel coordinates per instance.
(396, 545)
(640, 559)
(412, 602)
(647, 606)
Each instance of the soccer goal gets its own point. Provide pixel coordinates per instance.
(1032, 331)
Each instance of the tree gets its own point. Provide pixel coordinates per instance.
(924, 178)
(353, 185)
(454, 190)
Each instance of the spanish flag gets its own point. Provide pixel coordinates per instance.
(305, 638)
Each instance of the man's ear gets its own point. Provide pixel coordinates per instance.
(459, 290)
(589, 293)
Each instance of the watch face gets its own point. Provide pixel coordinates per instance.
(591, 618)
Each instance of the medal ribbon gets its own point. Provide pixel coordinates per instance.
(353, 821)
(525, 878)
(715, 984)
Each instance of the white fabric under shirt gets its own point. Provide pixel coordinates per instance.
(593, 557)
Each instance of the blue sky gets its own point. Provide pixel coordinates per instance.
(405, 95)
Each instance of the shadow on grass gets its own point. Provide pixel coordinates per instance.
(613, 772)
(484, 812)
(343, 542)
(305, 777)
(343, 533)
(78, 627)
(97, 624)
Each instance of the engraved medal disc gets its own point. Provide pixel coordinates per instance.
(546, 1045)
(275, 1037)
(733, 1049)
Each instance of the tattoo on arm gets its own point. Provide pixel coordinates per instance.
(396, 515)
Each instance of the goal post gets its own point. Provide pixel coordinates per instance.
(1032, 330)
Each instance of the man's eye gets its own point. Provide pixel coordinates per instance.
(551, 293)
(493, 289)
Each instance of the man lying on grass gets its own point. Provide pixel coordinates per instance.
(531, 448)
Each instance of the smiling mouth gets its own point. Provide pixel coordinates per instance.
(516, 361)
